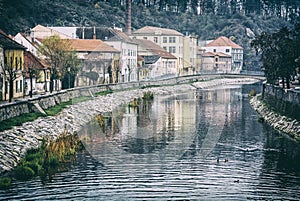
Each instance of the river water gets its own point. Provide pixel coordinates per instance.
(198, 145)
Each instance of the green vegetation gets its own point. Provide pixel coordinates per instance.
(27, 117)
(5, 183)
(148, 95)
(208, 21)
(19, 120)
(103, 93)
(51, 157)
(279, 62)
(252, 93)
(137, 101)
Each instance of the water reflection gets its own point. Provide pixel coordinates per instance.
(198, 145)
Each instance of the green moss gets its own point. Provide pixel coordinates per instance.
(5, 183)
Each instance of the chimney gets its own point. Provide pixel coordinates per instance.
(128, 17)
(94, 35)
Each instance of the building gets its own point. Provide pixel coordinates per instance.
(12, 68)
(227, 46)
(156, 60)
(173, 42)
(128, 53)
(37, 77)
(42, 32)
(100, 62)
(216, 62)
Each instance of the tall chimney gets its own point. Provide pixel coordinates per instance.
(128, 17)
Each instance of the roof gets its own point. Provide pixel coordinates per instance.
(88, 45)
(68, 31)
(119, 35)
(42, 29)
(213, 54)
(223, 41)
(156, 49)
(7, 43)
(151, 59)
(32, 61)
(149, 30)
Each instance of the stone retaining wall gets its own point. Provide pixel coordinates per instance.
(281, 123)
(281, 94)
(17, 108)
(15, 142)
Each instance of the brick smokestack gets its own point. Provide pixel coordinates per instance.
(128, 17)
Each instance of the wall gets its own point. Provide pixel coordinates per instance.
(289, 96)
(17, 108)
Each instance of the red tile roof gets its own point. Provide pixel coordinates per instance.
(88, 45)
(223, 41)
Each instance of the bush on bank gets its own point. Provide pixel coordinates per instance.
(51, 157)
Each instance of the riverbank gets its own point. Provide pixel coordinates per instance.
(15, 142)
(279, 122)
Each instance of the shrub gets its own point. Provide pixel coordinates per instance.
(5, 183)
(24, 173)
(252, 93)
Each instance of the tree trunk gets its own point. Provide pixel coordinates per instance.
(11, 90)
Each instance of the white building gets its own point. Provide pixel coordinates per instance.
(157, 60)
(228, 47)
(173, 42)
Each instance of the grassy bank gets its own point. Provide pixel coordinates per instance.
(51, 157)
(28, 117)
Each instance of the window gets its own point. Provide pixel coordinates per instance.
(17, 86)
(165, 48)
(155, 39)
(172, 49)
(21, 63)
(227, 50)
(172, 39)
(16, 63)
(165, 39)
(21, 86)
(215, 50)
(145, 38)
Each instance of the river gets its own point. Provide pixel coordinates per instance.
(197, 145)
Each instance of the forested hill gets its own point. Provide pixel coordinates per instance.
(206, 18)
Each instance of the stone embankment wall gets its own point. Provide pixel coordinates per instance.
(15, 142)
(289, 96)
(281, 123)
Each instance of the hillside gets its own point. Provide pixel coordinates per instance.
(19, 16)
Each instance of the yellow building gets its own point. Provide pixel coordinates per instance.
(12, 68)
